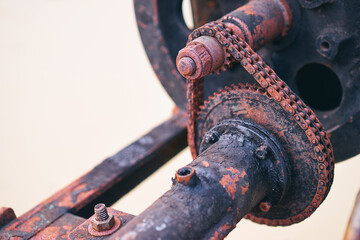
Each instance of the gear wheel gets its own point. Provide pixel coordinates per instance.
(249, 103)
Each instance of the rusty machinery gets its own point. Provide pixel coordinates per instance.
(259, 130)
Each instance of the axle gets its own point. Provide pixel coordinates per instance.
(241, 169)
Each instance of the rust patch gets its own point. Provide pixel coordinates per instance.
(229, 182)
(66, 201)
(244, 189)
(51, 232)
(27, 226)
(206, 164)
(225, 227)
(222, 232)
(81, 232)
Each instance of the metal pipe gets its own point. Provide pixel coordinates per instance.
(260, 21)
(231, 176)
(257, 22)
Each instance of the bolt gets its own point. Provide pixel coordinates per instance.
(261, 152)
(101, 213)
(265, 206)
(102, 221)
(211, 137)
(186, 66)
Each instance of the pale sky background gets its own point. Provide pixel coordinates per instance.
(76, 87)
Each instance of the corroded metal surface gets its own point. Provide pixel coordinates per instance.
(60, 228)
(248, 103)
(82, 231)
(117, 173)
(324, 37)
(6, 216)
(103, 222)
(231, 178)
(316, 158)
(228, 181)
(258, 22)
(163, 32)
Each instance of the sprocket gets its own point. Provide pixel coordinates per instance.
(249, 103)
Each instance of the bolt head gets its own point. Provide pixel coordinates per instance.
(103, 225)
(211, 137)
(186, 66)
(265, 206)
(261, 152)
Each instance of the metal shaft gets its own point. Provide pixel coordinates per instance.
(210, 195)
(258, 22)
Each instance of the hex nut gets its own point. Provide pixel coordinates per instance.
(103, 225)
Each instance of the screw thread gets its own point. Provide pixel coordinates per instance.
(101, 213)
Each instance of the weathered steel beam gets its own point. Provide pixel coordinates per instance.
(107, 181)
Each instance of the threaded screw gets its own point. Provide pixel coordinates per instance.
(101, 213)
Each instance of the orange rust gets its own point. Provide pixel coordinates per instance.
(229, 182)
(233, 170)
(228, 209)
(221, 232)
(81, 231)
(206, 164)
(66, 201)
(28, 225)
(84, 195)
(141, 24)
(96, 233)
(225, 227)
(215, 236)
(184, 179)
(63, 195)
(51, 232)
(242, 175)
(271, 93)
(265, 206)
(67, 227)
(244, 189)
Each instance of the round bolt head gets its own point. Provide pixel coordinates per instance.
(265, 206)
(186, 66)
